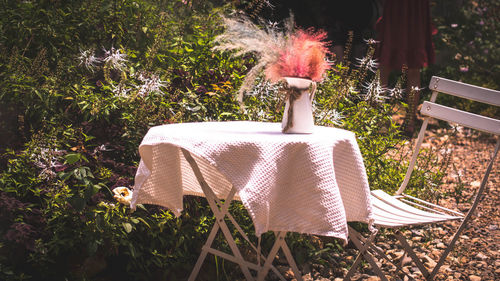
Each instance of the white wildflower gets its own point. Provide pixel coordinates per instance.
(100, 148)
(369, 63)
(115, 58)
(371, 41)
(46, 159)
(336, 117)
(374, 91)
(333, 116)
(151, 83)
(352, 90)
(120, 90)
(396, 93)
(88, 59)
(123, 195)
(265, 88)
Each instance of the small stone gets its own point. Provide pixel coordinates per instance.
(441, 231)
(441, 246)
(417, 232)
(481, 256)
(436, 253)
(406, 270)
(445, 267)
(475, 183)
(430, 263)
(474, 278)
(307, 277)
(396, 255)
(405, 260)
(493, 227)
(384, 246)
(373, 278)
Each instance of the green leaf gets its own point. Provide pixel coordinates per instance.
(127, 226)
(144, 222)
(72, 158)
(77, 202)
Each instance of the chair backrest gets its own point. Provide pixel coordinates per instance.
(430, 109)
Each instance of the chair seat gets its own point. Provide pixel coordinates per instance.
(390, 211)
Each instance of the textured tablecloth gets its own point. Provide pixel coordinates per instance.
(311, 183)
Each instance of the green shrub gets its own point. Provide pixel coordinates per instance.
(85, 80)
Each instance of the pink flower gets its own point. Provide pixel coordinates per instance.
(303, 56)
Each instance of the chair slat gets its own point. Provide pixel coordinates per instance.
(390, 211)
(466, 91)
(390, 200)
(463, 118)
(383, 218)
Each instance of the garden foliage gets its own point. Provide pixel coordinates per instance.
(81, 82)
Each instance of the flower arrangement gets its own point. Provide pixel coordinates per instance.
(289, 52)
(303, 56)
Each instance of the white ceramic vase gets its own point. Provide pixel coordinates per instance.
(298, 115)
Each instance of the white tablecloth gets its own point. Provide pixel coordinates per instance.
(288, 182)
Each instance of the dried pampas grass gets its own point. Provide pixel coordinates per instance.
(279, 52)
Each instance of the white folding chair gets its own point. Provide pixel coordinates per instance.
(401, 210)
(221, 211)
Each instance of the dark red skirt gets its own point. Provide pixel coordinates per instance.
(405, 34)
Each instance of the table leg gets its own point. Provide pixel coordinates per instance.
(220, 213)
(279, 243)
(270, 258)
(204, 252)
(291, 261)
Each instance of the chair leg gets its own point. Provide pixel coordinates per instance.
(363, 248)
(412, 254)
(353, 268)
